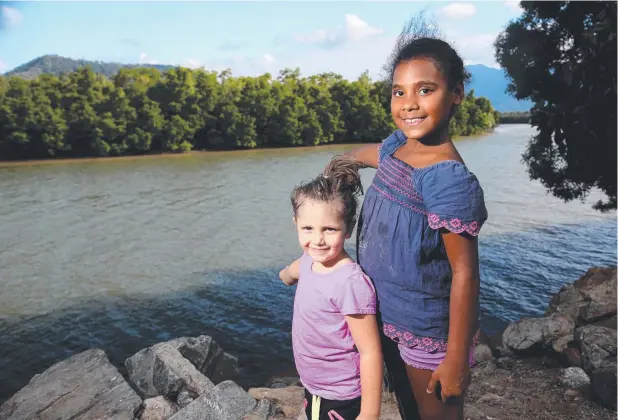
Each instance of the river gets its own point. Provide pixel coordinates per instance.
(123, 253)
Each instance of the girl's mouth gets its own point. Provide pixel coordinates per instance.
(412, 122)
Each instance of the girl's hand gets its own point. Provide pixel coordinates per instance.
(454, 378)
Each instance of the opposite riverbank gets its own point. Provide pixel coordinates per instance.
(559, 366)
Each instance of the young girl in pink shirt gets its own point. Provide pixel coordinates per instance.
(334, 330)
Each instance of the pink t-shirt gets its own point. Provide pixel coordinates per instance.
(326, 358)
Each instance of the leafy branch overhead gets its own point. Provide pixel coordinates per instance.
(562, 56)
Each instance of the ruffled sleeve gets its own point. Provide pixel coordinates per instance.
(453, 198)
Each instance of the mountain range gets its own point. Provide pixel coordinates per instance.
(486, 81)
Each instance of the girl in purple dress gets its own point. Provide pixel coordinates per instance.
(417, 235)
(335, 336)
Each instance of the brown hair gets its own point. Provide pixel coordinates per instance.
(339, 180)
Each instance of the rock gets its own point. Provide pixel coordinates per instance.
(505, 363)
(482, 353)
(162, 370)
(551, 332)
(598, 347)
(573, 357)
(573, 378)
(157, 408)
(202, 352)
(261, 412)
(83, 387)
(282, 382)
(227, 401)
(603, 385)
(208, 357)
(225, 368)
(573, 395)
(288, 401)
(184, 398)
(497, 346)
(589, 299)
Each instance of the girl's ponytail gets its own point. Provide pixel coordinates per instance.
(339, 180)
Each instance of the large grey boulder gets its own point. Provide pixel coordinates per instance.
(589, 299)
(208, 357)
(227, 401)
(598, 346)
(85, 386)
(552, 332)
(162, 370)
(181, 368)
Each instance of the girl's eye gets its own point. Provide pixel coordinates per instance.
(424, 91)
(397, 93)
(306, 228)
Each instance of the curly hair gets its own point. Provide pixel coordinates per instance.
(422, 39)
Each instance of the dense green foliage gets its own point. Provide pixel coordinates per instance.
(142, 110)
(562, 56)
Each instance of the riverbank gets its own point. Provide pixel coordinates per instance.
(558, 366)
(192, 153)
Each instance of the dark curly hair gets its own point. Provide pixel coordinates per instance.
(339, 180)
(422, 39)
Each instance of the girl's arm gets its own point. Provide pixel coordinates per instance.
(367, 155)
(462, 253)
(289, 275)
(364, 330)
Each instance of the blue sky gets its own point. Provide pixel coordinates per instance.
(249, 37)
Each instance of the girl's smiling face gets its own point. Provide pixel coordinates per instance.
(421, 100)
(322, 230)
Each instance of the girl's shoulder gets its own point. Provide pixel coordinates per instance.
(452, 196)
(391, 143)
(355, 292)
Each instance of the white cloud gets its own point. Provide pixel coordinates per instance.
(11, 16)
(355, 30)
(475, 48)
(268, 59)
(458, 11)
(144, 59)
(2, 65)
(514, 6)
(358, 30)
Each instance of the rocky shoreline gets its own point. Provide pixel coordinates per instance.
(558, 366)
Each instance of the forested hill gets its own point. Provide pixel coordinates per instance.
(57, 65)
(486, 81)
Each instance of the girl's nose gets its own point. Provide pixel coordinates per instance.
(409, 103)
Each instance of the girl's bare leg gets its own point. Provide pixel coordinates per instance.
(429, 406)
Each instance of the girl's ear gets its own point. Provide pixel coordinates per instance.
(458, 93)
(294, 220)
